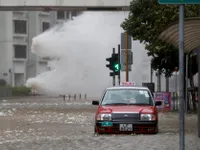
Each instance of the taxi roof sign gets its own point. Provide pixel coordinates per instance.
(127, 84)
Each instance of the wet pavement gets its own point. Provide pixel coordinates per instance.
(52, 124)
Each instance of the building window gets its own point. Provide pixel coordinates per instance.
(20, 26)
(20, 51)
(60, 15)
(45, 26)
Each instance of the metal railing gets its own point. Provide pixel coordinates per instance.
(74, 97)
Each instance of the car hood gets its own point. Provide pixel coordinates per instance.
(129, 108)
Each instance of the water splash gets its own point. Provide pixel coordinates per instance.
(78, 49)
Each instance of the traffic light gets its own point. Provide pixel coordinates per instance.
(110, 63)
(116, 63)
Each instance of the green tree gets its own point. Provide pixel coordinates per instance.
(146, 20)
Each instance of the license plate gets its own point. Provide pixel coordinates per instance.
(107, 124)
(126, 127)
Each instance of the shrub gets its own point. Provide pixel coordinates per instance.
(21, 91)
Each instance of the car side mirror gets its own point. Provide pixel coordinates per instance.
(158, 103)
(95, 102)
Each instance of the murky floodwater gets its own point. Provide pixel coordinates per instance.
(51, 124)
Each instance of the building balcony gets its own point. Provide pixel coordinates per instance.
(19, 59)
(20, 38)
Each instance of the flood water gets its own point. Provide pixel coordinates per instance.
(52, 124)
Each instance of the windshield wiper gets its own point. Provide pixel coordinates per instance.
(138, 104)
(126, 104)
(116, 104)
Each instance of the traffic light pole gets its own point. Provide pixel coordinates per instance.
(114, 64)
(114, 80)
(113, 71)
(119, 75)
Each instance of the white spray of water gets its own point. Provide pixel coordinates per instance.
(80, 47)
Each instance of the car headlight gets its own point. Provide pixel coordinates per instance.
(104, 117)
(147, 117)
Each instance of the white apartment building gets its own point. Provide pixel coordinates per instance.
(17, 28)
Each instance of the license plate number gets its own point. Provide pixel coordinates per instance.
(107, 124)
(126, 127)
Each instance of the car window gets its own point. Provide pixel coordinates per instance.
(127, 97)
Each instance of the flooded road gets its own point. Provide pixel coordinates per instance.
(51, 124)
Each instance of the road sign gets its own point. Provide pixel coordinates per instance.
(179, 2)
(123, 67)
(123, 57)
(123, 41)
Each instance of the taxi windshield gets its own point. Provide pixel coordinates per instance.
(127, 97)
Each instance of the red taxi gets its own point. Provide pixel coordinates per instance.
(126, 109)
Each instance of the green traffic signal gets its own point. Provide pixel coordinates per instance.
(114, 63)
(117, 67)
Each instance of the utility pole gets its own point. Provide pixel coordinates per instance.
(181, 76)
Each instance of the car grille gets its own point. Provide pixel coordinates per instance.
(136, 129)
(122, 117)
